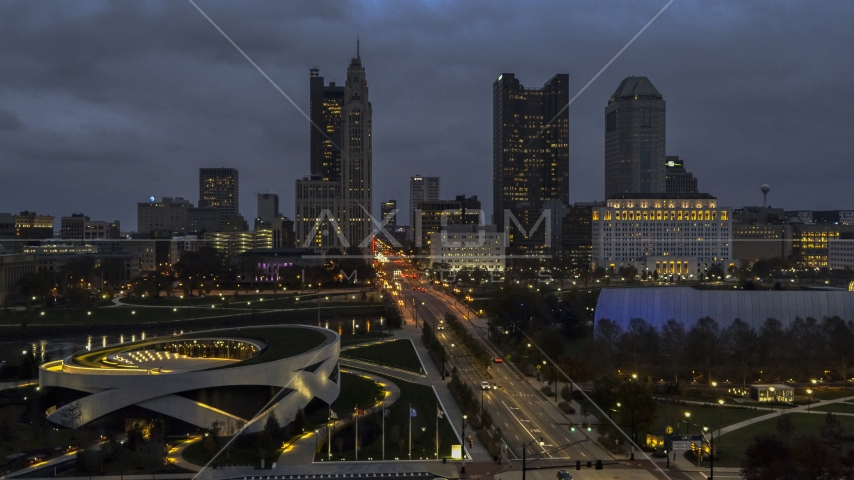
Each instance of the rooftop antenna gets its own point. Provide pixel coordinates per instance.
(357, 47)
(765, 189)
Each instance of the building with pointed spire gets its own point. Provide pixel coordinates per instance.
(334, 204)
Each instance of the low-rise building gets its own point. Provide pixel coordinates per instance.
(810, 242)
(116, 269)
(32, 226)
(468, 247)
(772, 393)
(12, 269)
(840, 254)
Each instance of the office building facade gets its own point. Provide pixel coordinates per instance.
(12, 269)
(268, 206)
(334, 204)
(218, 188)
(468, 247)
(32, 226)
(676, 178)
(840, 254)
(388, 209)
(530, 152)
(674, 234)
(433, 217)
(421, 189)
(635, 139)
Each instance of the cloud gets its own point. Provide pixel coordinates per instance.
(136, 97)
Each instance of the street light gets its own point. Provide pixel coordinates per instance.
(463, 438)
(524, 453)
(809, 392)
(687, 423)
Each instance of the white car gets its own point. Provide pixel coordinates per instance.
(484, 385)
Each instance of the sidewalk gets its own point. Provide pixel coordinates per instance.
(302, 450)
(454, 414)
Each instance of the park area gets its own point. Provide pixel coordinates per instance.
(399, 354)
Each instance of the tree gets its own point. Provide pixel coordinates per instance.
(673, 345)
(785, 427)
(769, 458)
(272, 427)
(832, 432)
(71, 415)
(703, 340)
(740, 346)
(816, 458)
(135, 436)
(637, 407)
(300, 421)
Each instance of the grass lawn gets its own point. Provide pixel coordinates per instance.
(366, 337)
(731, 446)
(424, 401)
(838, 407)
(355, 390)
(827, 394)
(712, 415)
(198, 455)
(400, 354)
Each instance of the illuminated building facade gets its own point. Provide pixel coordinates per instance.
(388, 208)
(468, 247)
(421, 189)
(334, 204)
(673, 234)
(433, 217)
(218, 188)
(635, 139)
(810, 243)
(32, 226)
(530, 151)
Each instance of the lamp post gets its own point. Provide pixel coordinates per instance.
(687, 423)
(809, 399)
(463, 439)
(525, 452)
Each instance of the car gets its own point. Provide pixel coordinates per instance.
(498, 360)
(563, 475)
(484, 385)
(440, 327)
(422, 289)
(414, 288)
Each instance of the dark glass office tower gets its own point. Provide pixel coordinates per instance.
(325, 112)
(635, 139)
(218, 188)
(530, 148)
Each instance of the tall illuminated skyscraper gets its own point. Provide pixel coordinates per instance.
(530, 149)
(218, 188)
(635, 139)
(334, 204)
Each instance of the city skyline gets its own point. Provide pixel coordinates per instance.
(142, 115)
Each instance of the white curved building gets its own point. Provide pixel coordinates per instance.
(228, 375)
(687, 305)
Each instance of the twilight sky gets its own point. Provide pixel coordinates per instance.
(105, 103)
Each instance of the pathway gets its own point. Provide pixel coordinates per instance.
(176, 455)
(302, 450)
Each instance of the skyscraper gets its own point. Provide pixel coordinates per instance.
(530, 149)
(325, 113)
(218, 188)
(333, 205)
(268, 206)
(676, 178)
(635, 139)
(421, 189)
(386, 208)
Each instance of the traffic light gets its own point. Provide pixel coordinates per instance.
(571, 427)
(598, 464)
(589, 464)
(589, 427)
(578, 464)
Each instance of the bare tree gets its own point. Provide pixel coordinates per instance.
(71, 415)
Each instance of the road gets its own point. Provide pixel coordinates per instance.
(517, 407)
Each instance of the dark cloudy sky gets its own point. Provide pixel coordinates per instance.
(105, 103)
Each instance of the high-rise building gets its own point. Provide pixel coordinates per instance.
(388, 208)
(268, 206)
(325, 138)
(676, 178)
(334, 204)
(432, 216)
(530, 151)
(421, 189)
(635, 139)
(218, 188)
(80, 227)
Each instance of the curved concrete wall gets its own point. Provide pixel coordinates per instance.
(687, 305)
(110, 392)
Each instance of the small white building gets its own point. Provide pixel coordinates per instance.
(772, 393)
(468, 247)
(840, 254)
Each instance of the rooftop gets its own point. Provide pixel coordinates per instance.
(661, 196)
(631, 86)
